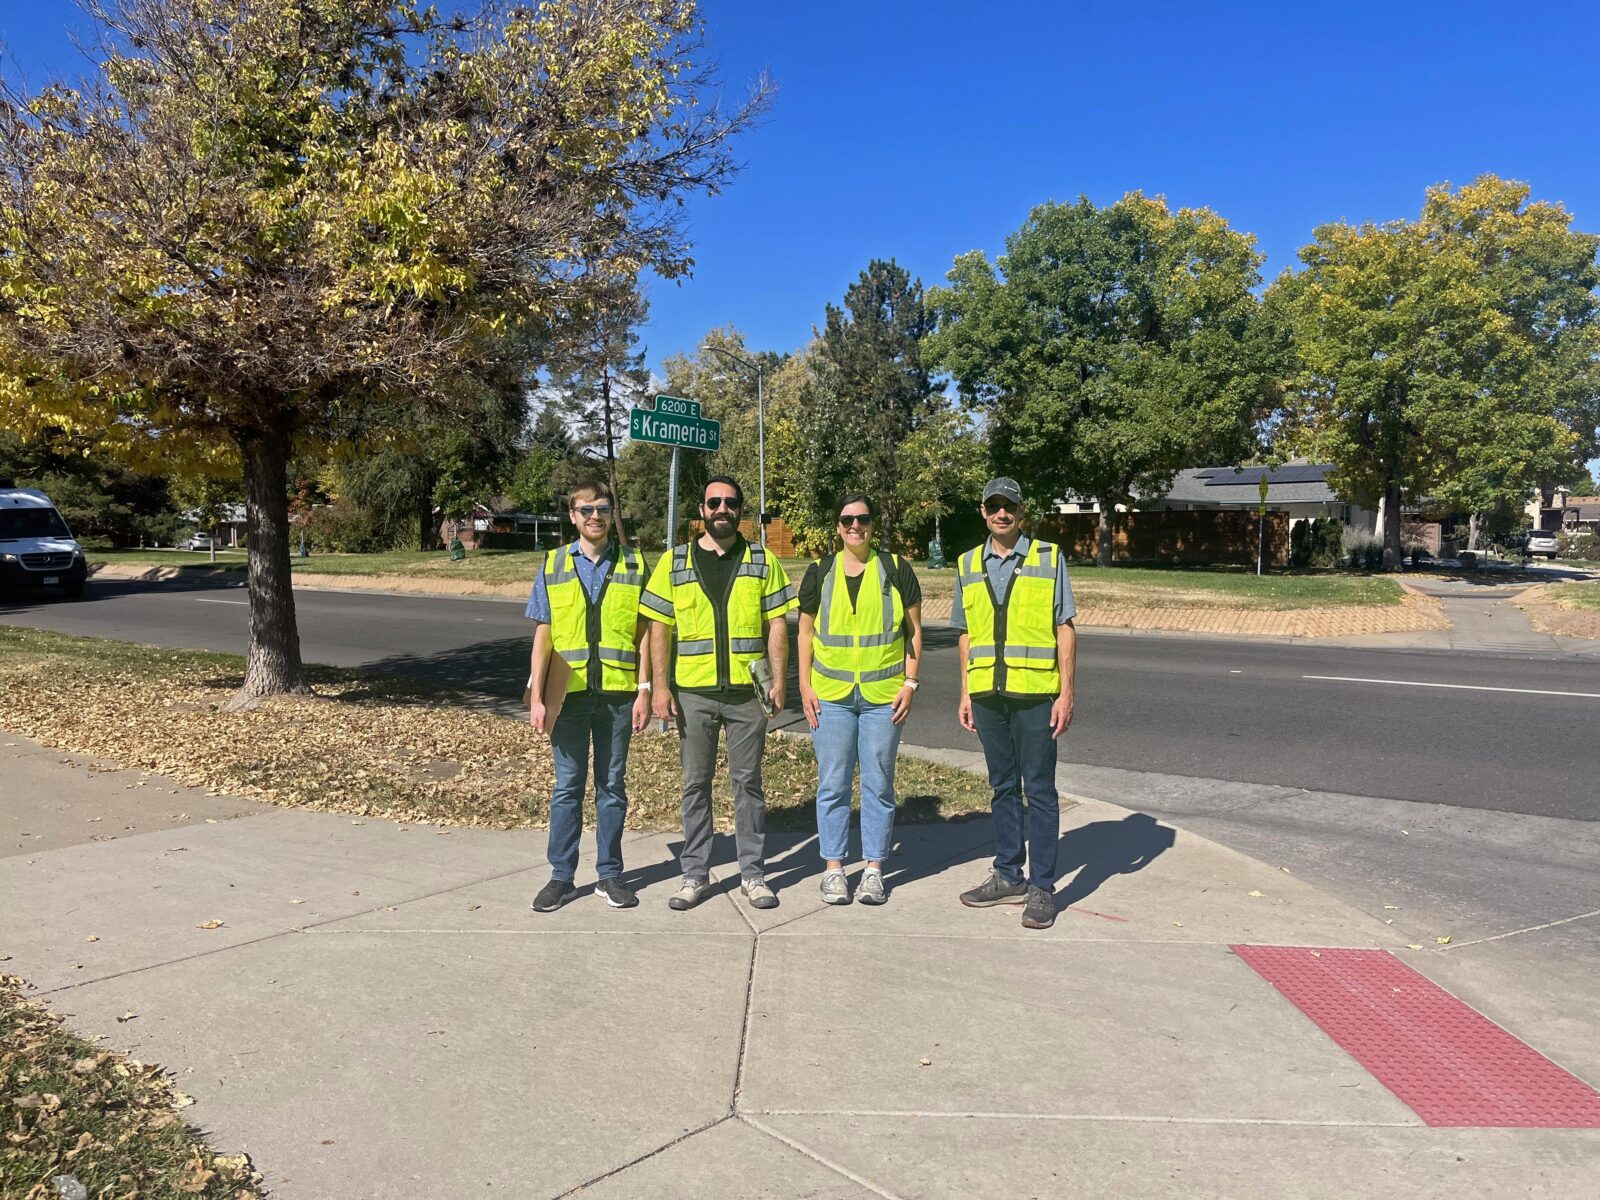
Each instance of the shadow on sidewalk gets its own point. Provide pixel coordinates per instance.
(1101, 849)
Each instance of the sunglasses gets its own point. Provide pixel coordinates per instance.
(856, 519)
(727, 502)
(594, 510)
(996, 504)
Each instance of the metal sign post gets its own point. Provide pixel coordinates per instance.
(1261, 525)
(672, 499)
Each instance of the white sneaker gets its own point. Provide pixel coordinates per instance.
(835, 888)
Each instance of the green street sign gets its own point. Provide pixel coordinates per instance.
(691, 431)
(671, 406)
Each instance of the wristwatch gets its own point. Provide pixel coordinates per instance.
(646, 686)
(912, 683)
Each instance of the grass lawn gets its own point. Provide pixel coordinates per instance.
(78, 1111)
(480, 566)
(368, 745)
(1583, 596)
(1206, 587)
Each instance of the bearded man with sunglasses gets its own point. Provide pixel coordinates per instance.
(724, 601)
(586, 603)
(1018, 650)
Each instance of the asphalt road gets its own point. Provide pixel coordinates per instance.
(1476, 731)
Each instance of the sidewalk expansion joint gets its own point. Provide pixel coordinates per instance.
(312, 928)
(820, 1159)
(665, 1146)
(1131, 1118)
(744, 1026)
(1497, 937)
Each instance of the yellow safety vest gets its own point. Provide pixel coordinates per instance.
(861, 645)
(716, 646)
(1011, 644)
(596, 638)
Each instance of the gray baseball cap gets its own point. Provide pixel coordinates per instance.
(1004, 486)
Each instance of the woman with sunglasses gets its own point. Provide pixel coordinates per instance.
(860, 655)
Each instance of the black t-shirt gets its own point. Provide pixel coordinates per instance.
(905, 582)
(716, 577)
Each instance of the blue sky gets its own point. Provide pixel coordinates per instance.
(919, 131)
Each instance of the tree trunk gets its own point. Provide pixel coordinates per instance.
(1474, 531)
(273, 665)
(1102, 553)
(426, 539)
(1389, 531)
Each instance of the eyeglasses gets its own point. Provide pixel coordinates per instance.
(727, 502)
(856, 519)
(996, 504)
(594, 510)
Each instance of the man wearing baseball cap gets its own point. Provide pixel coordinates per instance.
(1018, 650)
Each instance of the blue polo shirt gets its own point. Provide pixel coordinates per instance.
(591, 574)
(1002, 567)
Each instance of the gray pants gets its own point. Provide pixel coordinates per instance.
(699, 719)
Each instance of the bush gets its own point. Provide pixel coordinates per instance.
(1363, 553)
(1580, 543)
(344, 528)
(1316, 543)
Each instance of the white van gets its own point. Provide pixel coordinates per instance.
(36, 547)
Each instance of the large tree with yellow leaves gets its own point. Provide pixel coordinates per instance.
(261, 222)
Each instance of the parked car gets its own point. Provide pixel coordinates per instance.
(198, 541)
(1541, 543)
(37, 549)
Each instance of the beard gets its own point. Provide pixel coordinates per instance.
(721, 523)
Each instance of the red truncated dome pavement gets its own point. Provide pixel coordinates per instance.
(1448, 1062)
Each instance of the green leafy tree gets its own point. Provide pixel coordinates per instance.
(943, 464)
(1452, 358)
(258, 219)
(1110, 347)
(100, 499)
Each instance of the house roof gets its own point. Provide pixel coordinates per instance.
(1292, 483)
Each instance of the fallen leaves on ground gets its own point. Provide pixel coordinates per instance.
(370, 745)
(87, 1115)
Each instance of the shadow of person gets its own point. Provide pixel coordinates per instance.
(1101, 849)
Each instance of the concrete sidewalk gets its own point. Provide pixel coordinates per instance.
(380, 1015)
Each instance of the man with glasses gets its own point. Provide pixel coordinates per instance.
(724, 601)
(586, 602)
(1018, 650)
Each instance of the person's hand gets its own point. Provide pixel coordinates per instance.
(641, 711)
(812, 704)
(538, 715)
(662, 705)
(1060, 714)
(778, 695)
(964, 714)
(902, 705)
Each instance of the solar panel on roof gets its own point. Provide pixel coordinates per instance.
(1251, 476)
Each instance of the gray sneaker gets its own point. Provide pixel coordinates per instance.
(995, 890)
(689, 893)
(1040, 911)
(835, 888)
(870, 890)
(758, 893)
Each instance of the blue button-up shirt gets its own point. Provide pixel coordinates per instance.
(591, 574)
(1002, 567)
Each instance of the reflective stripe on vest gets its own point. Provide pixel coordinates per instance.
(596, 639)
(696, 620)
(1011, 643)
(860, 645)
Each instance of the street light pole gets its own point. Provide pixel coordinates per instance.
(750, 364)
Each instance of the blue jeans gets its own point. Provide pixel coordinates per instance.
(1021, 756)
(851, 731)
(606, 722)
